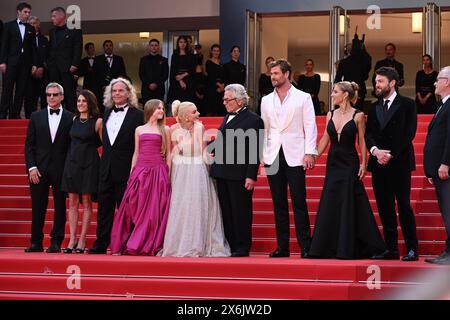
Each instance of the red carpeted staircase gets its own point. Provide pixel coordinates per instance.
(45, 276)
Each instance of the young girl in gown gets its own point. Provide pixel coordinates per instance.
(140, 222)
(345, 226)
(195, 225)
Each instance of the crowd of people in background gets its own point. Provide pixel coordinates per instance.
(158, 195)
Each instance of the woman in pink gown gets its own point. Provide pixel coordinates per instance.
(140, 223)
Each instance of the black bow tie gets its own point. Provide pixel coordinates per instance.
(115, 109)
(20, 22)
(52, 111)
(232, 113)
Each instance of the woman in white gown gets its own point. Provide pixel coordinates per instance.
(194, 227)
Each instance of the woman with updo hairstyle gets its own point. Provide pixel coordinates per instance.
(140, 222)
(345, 226)
(194, 227)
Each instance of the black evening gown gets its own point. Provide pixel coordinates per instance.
(179, 65)
(81, 170)
(345, 226)
(214, 99)
(424, 85)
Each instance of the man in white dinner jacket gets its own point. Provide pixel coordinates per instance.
(289, 150)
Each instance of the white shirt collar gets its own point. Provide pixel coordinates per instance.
(444, 100)
(391, 99)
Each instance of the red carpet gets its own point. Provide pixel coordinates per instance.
(44, 276)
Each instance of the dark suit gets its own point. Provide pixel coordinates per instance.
(153, 69)
(115, 166)
(49, 158)
(66, 46)
(235, 200)
(87, 72)
(103, 74)
(394, 131)
(36, 87)
(437, 152)
(19, 56)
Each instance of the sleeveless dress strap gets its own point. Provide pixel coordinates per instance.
(354, 114)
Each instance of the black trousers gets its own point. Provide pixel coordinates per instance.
(278, 182)
(237, 214)
(15, 77)
(110, 195)
(67, 81)
(39, 200)
(35, 91)
(390, 185)
(443, 195)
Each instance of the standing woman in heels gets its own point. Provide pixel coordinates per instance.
(345, 226)
(81, 169)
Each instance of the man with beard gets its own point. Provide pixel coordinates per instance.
(391, 127)
(289, 150)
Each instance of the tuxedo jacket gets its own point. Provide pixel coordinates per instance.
(297, 134)
(67, 51)
(42, 50)
(153, 69)
(103, 74)
(240, 160)
(437, 144)
(40, 152)
(116, 158)
(12, 45)
(392, 131)
(87, 72)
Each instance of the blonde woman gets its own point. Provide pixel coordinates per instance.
(140, 223)
(194, 227)
(345, 227)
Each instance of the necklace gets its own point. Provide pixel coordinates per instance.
(84, 120)
(344, 112)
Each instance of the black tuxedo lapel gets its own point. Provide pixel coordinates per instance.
(125, 124)
(19, 36)
(61, 124)
(44, 119)
(106, 115)
(380, 113)
(238, 118)
(441, 111)
(392, 110)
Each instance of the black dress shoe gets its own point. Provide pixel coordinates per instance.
(54, 248)
(239, 254)
(443, 258)
(97, 250)
(387, 255)
(411, 256)
(34, 248)
(279, 254)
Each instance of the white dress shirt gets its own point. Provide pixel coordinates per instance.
(281, 107)
(391, 99)
(231, 116)
(53, 122)
(114, 123)
(109, 59)
(21, 28)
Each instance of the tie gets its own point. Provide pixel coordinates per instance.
(52, 111)
(115, 109)
(109, 60)
(232, 113)
(20, 22)
(385, 105)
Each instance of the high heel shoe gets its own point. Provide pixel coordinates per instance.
(70, 250)
(80, 250)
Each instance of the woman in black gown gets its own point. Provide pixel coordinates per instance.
(182, 69)
(81, 169)
(265, 82)
(425, 79)
(345, 226)
(310, 83)
(214, 84)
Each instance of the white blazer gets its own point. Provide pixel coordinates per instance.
(297, 134)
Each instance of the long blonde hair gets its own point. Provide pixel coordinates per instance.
(150, 108)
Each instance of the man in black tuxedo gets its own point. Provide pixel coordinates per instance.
(106, 67)
(153, 71)
(46, 148)
(121, 118)
(39, 80)
(87, 67)
(235, 167)
(66, 46)
(391, 127)
(389, 61)
(436, 159)
(18, 60)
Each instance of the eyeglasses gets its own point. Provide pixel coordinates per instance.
(228, 100)
(53, 94)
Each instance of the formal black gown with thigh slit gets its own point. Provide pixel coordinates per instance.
(345, 227)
